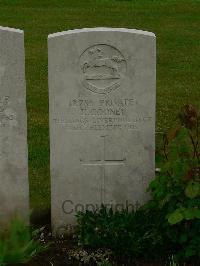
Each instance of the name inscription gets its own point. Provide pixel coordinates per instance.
(100, 114)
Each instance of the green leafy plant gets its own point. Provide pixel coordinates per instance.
(176, 190)
(18, 244)
(167, 225)
(132, 234)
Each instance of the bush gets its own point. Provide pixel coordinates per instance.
(18, 244)
(176, 190)
(169, 224)
(123, 232)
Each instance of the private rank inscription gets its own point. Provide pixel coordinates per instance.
(101, 114)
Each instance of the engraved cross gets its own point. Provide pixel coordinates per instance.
(103, 163)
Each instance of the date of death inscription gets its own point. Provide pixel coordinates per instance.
(101, 114)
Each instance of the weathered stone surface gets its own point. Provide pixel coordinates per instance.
(14, 195)
(102, 119)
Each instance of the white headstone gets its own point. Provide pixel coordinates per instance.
(102, 85)
(14, 195)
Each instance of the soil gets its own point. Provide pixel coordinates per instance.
(58, 254)
(59, 257)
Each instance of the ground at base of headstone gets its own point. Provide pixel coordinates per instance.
(66, 252)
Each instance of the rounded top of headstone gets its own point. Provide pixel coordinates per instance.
(101, 29)
(11, 30)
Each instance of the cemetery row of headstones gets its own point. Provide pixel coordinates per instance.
(102, 121)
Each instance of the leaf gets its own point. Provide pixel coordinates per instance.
(192, 190)
(189, 175)
(175, 217)
(189, 252)
(197, 213)
(165, 200)
(189, 214)
(183, 238)
(172, 133)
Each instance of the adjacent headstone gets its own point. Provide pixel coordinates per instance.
(14, 200)
(102, 85)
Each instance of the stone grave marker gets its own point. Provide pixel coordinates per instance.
(14, 192)
(102, 88)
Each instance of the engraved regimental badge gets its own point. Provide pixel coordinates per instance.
(102, 68)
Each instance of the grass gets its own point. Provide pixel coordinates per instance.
(175, 23)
